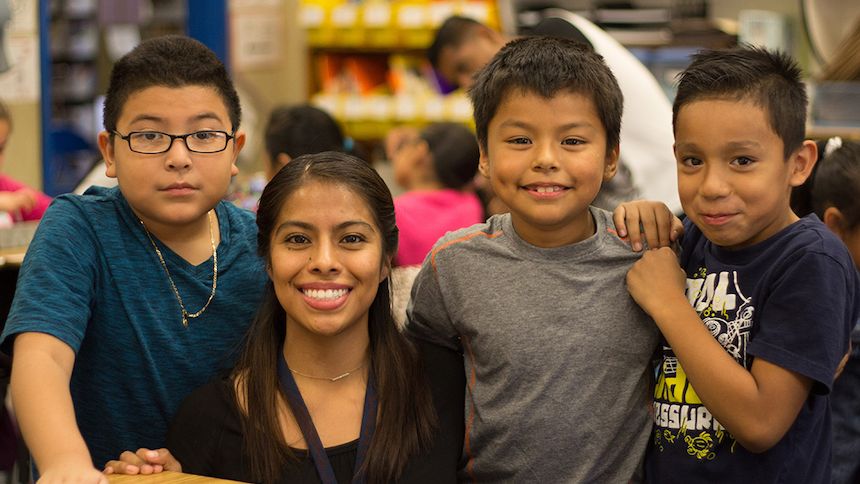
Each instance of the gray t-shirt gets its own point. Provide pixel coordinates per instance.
(557, 354)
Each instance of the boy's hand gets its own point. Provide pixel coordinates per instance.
(660, 226)
(144, 461)
(656, 278)
(72, 471)
(21, 200)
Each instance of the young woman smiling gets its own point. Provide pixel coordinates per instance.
(328, 389)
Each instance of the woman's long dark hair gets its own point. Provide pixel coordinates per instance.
(406, 414)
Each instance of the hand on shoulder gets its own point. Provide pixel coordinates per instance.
(653, 220)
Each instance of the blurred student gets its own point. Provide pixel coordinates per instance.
(19, 201)
(646, 169)
(834, 196)
(435, 167)
(328, 388)
(292, 131)
(131, 297)
(757, 316)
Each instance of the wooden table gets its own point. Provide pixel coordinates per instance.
(12, 257)
(166, 477)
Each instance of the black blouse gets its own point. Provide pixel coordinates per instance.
(206, 433)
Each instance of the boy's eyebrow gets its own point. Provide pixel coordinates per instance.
(743, 144)
(731, 145)
(308, 226)
(157, 119)
(516, 123)
(686, 146)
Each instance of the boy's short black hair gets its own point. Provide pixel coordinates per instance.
(169, 61)
(300, 130)
(546, 66)
(769, 79)
(455, 153)
(450, 34)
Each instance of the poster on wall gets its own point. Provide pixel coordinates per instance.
(256, 33)
(19, 51)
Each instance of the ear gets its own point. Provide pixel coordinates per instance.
(282, 159)
(491, 35)
(107, 149)
(802, 162)
(385, 271)
(484, 164)
(834, 220)
(423, 147)
(423, 156)
(610, 168)
(239, 143)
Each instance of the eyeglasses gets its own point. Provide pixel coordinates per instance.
(156, 142)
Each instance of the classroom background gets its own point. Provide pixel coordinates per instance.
(363, 61)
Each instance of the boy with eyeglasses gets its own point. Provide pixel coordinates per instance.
(131, 297)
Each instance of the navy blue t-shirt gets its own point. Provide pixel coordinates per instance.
(92, 279)
(791, 300)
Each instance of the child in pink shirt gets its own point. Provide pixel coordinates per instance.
(21, 202)
(436, 168)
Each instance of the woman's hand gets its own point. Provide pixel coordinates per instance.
(144, 461)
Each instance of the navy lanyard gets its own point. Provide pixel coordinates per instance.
(312, 439)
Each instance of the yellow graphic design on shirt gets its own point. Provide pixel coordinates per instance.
(681, 417)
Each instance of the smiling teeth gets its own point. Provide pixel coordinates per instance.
(547, 189)
(325, 294)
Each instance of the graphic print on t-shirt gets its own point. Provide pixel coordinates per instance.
(681, 418)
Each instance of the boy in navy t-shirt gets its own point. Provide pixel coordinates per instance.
(758, 321)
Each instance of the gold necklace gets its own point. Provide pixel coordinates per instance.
(185, 314)
(339, 377)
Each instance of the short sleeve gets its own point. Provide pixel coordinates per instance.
(57, 281)
(427, 315)
(806, 318)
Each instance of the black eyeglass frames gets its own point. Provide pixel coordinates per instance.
(156, 142)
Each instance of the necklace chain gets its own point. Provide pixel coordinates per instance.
(339, 377)
(185, 314)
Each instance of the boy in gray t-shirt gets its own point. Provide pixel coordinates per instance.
(556, 352)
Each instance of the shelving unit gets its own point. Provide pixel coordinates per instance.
(367, 62)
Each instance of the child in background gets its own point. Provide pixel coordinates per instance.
(835, 186)
(19, 201)
(557, 354)
(131, 297)
(436, 168)
(292, 131)
(755, 333)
